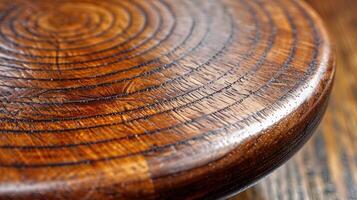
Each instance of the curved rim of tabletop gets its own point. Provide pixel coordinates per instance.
(318, 96)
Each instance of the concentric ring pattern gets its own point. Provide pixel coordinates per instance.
(126, 95)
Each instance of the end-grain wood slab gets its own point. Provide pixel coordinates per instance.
(155, 99)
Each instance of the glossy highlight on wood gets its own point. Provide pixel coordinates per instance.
(155, 99)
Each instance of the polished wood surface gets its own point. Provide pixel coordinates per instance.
(326, 168)
(155, 99)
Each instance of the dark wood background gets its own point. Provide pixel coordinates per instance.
(326, 168)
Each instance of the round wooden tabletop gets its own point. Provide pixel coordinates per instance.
(155, 99)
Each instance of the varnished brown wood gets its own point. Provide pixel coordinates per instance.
(155, 99)
(326, 168)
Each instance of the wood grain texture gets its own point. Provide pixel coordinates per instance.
(155, 99)
(326, 168)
